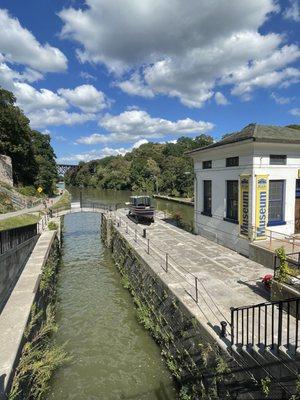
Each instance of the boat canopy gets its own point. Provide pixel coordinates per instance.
(140, 200)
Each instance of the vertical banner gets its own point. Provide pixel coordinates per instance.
(261, 206)
(244, 205)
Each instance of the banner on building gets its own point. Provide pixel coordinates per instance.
(261, 206)
(244, 205)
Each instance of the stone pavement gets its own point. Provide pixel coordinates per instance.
(225, 278)
(231, 279)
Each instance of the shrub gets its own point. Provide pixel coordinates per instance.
(52, 226)
(29, 191)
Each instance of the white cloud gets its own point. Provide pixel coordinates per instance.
(293, 11)
(87, 76)
(85, 97)
(18, 45)
(139, 143)
(8, 76)
(138, 121)
(135, 86)
(47, 117)
(93, 155)
(182, 49)
(295, 112)
(135, 125)
(280, 99)
(31, 99)
(44, 107)
(101, 153)
(221, 99)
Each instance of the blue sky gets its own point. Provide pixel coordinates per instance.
(102, 76)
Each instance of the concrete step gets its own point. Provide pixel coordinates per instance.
(269, 362)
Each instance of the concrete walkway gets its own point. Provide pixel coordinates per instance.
(232, 279)
(225, 278)
(40, 207)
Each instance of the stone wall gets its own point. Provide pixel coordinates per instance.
(6, 173)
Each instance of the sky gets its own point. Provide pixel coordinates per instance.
(102, 77)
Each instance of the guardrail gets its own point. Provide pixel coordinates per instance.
(11, 238)
(272, 324)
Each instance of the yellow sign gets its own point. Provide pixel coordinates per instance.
(244, 205)
(39, 189)
(261, 206)
(298, 173)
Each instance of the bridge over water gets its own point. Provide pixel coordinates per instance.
(63, 168)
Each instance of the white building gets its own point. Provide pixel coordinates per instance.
(248, 184)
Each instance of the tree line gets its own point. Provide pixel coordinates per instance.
(32, 155)
(151, 167)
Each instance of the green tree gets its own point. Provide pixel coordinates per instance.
(15, 139)
(46, 176)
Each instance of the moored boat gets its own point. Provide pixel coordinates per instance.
(140, 207)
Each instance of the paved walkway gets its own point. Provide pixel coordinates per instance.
(27, 210)
(222, 271)
(225, 278)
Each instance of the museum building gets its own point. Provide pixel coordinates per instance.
(247, 185)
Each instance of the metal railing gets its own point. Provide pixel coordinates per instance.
(189, 282)
(11, 238)
(272, 324)
(94, 205)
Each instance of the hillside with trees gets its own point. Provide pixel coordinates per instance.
(32, 155)
(141, 170)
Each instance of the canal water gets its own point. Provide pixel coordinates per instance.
(113, 357)
(122, 196)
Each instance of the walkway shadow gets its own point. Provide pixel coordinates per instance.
(139, 221)
(257, 287)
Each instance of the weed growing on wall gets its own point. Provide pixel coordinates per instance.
(40, 355)
(282, 270)
(52, 226)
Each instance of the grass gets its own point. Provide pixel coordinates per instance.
(6, 204)
(63, 202)
(19, 220)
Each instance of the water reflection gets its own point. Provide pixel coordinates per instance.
(122, 196)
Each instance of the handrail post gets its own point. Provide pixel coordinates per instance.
(126, 227)
(167, 261)
(279, 324)
(270, 238)
(293, 243)
(232, 325)
(297, 325)
(148, 246)
(196, 289)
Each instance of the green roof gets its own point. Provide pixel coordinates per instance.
(258, 133)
